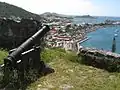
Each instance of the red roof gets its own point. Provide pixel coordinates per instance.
(62, 38)
(53, 30)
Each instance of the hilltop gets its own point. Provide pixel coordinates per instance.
(8, 10)
(55, 18)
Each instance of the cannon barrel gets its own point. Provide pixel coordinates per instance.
(14, 56)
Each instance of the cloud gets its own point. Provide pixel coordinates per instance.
(79, 7)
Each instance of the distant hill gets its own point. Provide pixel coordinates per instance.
(49, 14)
(7, 10)
(85, 16)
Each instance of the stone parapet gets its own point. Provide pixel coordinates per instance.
(13, 33)
(100, 59)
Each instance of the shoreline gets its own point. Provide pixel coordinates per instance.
(92, 29)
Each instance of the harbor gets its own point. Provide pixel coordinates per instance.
(103, 39)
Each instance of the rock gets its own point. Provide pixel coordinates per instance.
(42, 89)
(50, 86)
(39, 85)
(90, 71)
(13, 33)
(65, 87)
(100, 59)
(70, 70)
(112, 76)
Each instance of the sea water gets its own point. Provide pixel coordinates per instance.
(102, 38)
(96, 19)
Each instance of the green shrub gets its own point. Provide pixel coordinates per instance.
(47, 55)
(51, 54)
(3, 54)
(59, 49)
(72, 57)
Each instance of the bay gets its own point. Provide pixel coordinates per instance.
(96, 19)
(102, 38)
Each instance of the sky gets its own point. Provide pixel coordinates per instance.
(70, 7)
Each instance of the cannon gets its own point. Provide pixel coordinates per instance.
(25, 59)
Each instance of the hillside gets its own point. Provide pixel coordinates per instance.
(7, 10)
(71, 75)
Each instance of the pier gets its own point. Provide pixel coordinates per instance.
(81, 41)
(87, 38)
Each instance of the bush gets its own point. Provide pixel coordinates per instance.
(51, 54)
(59, 49)
(3, 54)
(47, 55)
(72, 57)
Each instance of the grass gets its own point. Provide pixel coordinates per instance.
(3, 54)
(70, 75)
(50, 55)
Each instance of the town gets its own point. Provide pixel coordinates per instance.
(65, 34)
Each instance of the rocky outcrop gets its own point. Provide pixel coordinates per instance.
(100, 59)
(14, 32)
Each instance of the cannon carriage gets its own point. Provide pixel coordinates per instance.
(24, 63)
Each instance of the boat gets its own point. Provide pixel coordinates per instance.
(115, 35)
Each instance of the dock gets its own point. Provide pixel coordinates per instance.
(84, 40)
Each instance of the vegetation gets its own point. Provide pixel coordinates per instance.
(50, 55)
(70, 75)
(3, 54)
(85, 16)
(7, 10)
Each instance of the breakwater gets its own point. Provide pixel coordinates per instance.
(87, 38)
(100, 59)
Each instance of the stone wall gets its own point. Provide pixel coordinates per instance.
(100, 59)
(14, 32)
